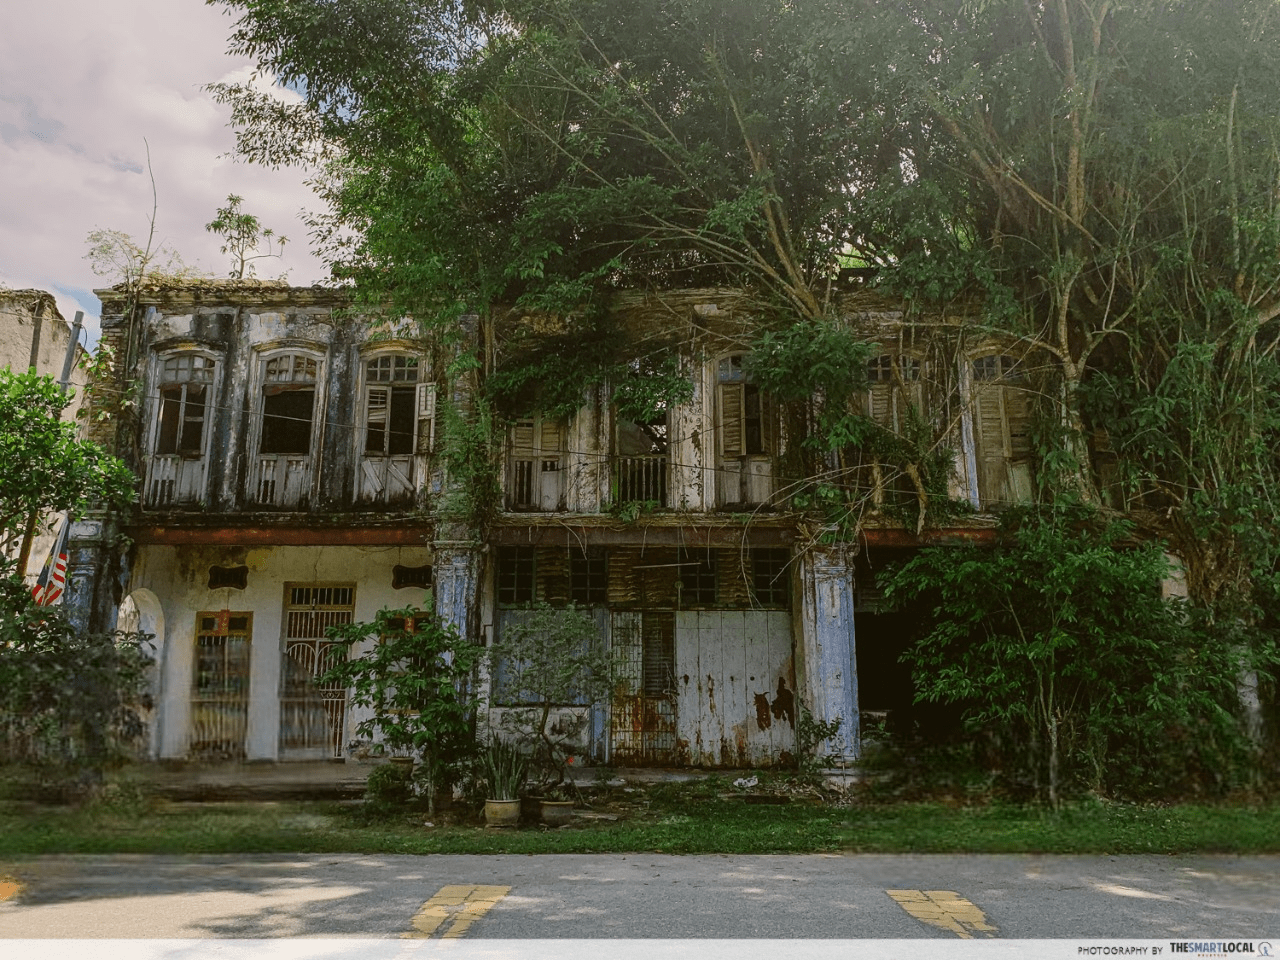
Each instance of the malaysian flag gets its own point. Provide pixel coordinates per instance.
(53, 577)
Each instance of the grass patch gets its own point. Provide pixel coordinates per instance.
(668, 819)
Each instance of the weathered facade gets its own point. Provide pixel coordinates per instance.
(34, 336)
(291, 477)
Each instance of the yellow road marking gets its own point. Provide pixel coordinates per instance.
(463, 903)
(945, 909)
(9, 888)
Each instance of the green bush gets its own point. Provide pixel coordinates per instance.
(72, 705)
(1070, 670)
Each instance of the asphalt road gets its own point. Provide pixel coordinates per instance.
(642, 896)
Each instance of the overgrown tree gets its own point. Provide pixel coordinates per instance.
(1093, 181)
(44, 466)
(243, 236)
(1057, 645)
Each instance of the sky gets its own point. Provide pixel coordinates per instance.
(85, 86)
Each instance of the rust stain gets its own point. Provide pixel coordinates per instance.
(763, 720)
(711, 693)
(784, 704)
(740, 743)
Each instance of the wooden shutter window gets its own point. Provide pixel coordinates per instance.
(731, 410)
(426, 439)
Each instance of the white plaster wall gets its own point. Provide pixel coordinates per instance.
(693, 444)
(179, 575)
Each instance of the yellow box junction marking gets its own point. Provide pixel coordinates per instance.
(945, 909)
(9, 888)
(464, 904)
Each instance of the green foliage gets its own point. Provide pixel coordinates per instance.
(1057, 644)
(469, 450)
(549, 657)
(811, 736)
(71, 704)
(389, 787)
(242, 233)
(811, 357)
(550, 375)
(505, 769)
(43, 464)
(417, 676)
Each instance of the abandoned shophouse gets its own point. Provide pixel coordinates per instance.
(291, 477)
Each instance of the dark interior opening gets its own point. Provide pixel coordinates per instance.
(286, 420)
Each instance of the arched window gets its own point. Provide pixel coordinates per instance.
(184, 402)
(185, 381)
(288, 403)
(397, 425)
(399, 410)
(287, 428)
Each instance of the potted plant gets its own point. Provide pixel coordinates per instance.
(553, 669)
(556, 806)
(504, 772)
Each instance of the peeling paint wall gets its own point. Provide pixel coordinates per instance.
(827, 672)
(177, 579)
(735, 682)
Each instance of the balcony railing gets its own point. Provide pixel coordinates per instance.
(281, 480)
(641, 479)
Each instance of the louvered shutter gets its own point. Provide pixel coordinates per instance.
(377, 405)
(522, 439)
(426, 439)
(731, 410)
(880, 404)
(991, 440)
(551, 438)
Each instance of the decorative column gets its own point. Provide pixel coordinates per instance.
(829, 683)
(457, 553)
(456, 571)
(87, 599)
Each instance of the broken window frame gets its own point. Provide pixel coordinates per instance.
(284, 478)
(178, 376)
(642, 477)
(180, 429)
(281, 373)
(1000, 412)
(396, 376)
(536, 446)
(742, 421)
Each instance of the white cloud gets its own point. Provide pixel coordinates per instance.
(83, 84)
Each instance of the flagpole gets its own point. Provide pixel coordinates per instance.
(68, 361)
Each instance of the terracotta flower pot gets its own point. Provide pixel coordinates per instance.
(556, 813)
(502, 813)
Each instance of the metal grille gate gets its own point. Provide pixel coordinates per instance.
(313, 717)
(220, 686)
(643, 715)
